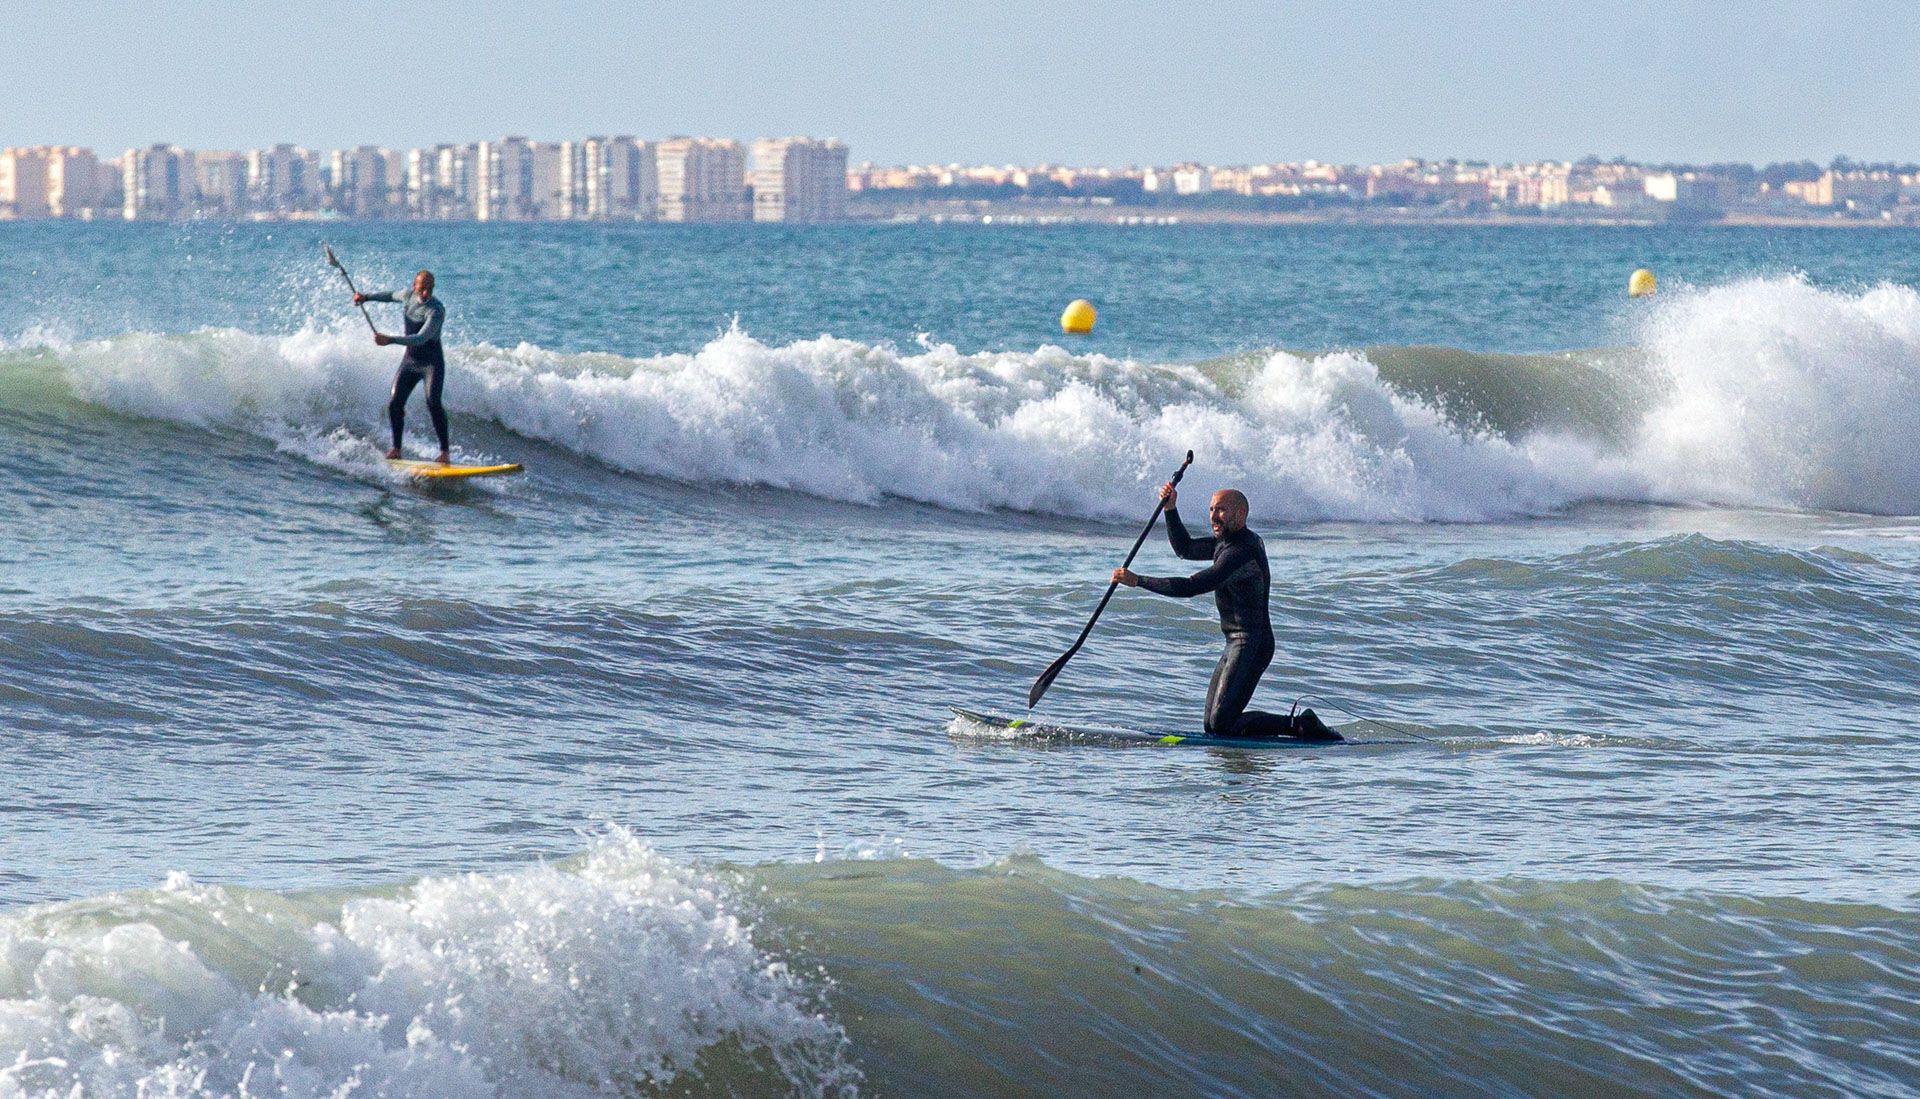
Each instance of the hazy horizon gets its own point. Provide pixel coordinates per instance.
(992, 82)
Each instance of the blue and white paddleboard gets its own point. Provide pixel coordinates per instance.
(997, 725)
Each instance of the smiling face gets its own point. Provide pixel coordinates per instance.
(1227, 512)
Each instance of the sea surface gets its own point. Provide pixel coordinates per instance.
(636, 775)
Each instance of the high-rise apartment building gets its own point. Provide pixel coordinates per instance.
(577, 172)
(76, 182)
(454, 181)
(156, 182)
(282, 178)
(702, 179)
(628, 180)
(547, 197)
(220, 182)
(440, 181)
(360, 181)
(798, 179)
(23, 183)
(418, 185)
(610, 179)
(634, 167)
(503, 180)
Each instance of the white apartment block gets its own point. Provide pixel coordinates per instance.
(281, 178)
(220, 181)
(440, 181)
(548, 197)
(419, 181)
(576, 179)
(798, 179)
(1192, 179)
(702, 179)
(453, 175)
(156, 182)
(76, 182)
(23, 183)
(627, 171)
(362, 180)
(50, 181)
(503, 180)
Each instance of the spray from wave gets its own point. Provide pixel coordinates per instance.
(621, 973)
(1766, 392)
(624, 973)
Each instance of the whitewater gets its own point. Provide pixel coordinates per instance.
(1763, 393)
(635, 775)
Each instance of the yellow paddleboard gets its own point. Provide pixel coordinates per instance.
(434, 471)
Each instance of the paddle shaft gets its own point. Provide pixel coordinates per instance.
(1053, 670)
(342, 268)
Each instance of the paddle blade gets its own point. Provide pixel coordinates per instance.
(332, 260)
(1046, 678)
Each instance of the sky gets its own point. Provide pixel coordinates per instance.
(1092, 82)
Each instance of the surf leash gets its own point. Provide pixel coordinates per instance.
(1393, 726)
(1053, 670)
(334, 262)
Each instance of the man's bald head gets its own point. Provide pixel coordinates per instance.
(1227, 512)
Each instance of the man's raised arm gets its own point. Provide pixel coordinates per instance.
(1184, 545)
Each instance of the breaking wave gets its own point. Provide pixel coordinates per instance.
(622, 972)
(1766, 392)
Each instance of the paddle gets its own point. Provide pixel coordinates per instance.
(1053, 670)
(334, 261)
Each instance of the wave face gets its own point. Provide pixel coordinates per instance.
(622, 972)
(1759, 393)
(1017, 979)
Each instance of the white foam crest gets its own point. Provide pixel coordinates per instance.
(319, 394)
(1778, 394)
(1784, 394)
(1036, 431)
(610, 975)
(1040, 431)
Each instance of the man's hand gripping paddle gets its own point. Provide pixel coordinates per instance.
(334, 262)
(1053, 670)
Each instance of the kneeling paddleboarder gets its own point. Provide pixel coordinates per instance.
(424, 361)
(1238, 579)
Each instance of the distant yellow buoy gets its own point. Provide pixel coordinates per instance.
(1078, 318)
(1641, 284)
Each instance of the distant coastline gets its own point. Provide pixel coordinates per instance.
(1031, 212)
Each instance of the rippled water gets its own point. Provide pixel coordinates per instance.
(1630, 586)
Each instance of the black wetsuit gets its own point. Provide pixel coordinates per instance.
(1238, 579)
(425, 361)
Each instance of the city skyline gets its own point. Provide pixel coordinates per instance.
(802, 179)
(992, 82)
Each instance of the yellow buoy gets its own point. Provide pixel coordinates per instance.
(1641, 283)
(1078, 318)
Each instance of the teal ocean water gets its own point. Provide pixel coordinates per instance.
(635, 775)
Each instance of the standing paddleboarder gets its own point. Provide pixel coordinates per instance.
(1239, 580)
(425, 360)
